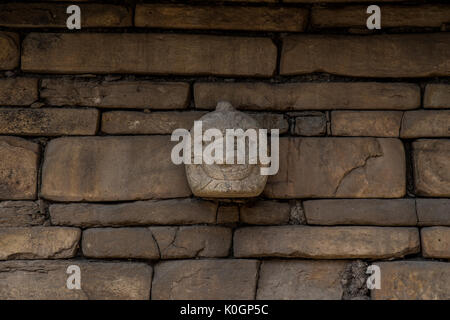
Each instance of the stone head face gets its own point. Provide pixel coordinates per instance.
(229, 179)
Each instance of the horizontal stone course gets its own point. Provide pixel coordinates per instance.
(18, 91)
(147, 53)
(10, 53)
(366, 123)
(435, 242)
(325, 242)
(21, 214)
(309, 124)
(437, 96)
(47, 280)
(376, 56)
(426, 123)
(433, 212)
(265, 213)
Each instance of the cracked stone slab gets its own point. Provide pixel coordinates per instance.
(21, 214)
(339, 168)
(38, 242)
(224, 279)
(41, 280)
(435, 242)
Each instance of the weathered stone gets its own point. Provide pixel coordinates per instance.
(433, 212)
(301, 280)
(116, 94)
(322, 1)
(148, 53)
(325, 242)
(192, 242)
(18, 91)
(152, 212)
(426, 123)
(227, 214)
(431, 167)
(366, 123)
(48, 122)
(413, 280)
(265, 212)
(271, 121)
(378, 212)
(39, 280)
(42, 15)
(18, 168)
(102, 170)
(340, 168)
(437, 96)
(20, 214)
(435, 242)
(221, 17)
(10, 53)
(392, 16)
(309, 96)
(122, 243)
(38, 243)
(310, 124)
(205, 279)
(409, 55)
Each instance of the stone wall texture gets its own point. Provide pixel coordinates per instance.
(86, 177)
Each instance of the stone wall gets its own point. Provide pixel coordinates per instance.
(85, 171)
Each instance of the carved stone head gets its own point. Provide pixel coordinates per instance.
(225, 180)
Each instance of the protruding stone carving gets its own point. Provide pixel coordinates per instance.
(226, 180)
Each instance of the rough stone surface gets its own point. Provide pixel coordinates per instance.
(221, 18)
(432, 167)
(309, 96)
(115, 94)
(435, 242)
(300, 280)
(38, 242)
(20, 214)
(42, 280)
(99, 169)
(426, 123)
(229, 279)
(48, 122)
(152, 212)
(265, 213)
(18, 168)
(42, 15)
(437, 96)
(148, 54)
(411, 55)
(433, 212)
(18, 91)
(339, 168)
(366, 123)
(271, 121)
(378, 212)
(192, 242)
(10, 53)
(326, 242)
(228, 215)
(121, 243)
(310, 124)
(414, 280)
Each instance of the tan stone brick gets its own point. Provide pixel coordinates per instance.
(339, 168)
(227, 215)
(18, 168)
(42, 280)
(221, 17)
(43, 15)
(300, 280)
(426, 123)
(265, 212)
(229, 279)
(308, 96)
(325, 242)
(437, 96)
(117, 94)
(99, 169)
(18, 91)
(38, 242)
(413, 280)
(431, 167)
(10, 53)
(310, 124)
(405, 55)
(48, 122)
(433, 212)
(147, 53)
(435, 242)
(378, 212)
(20, 214)
(192, 241)
(366, 123)
(152, 212)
